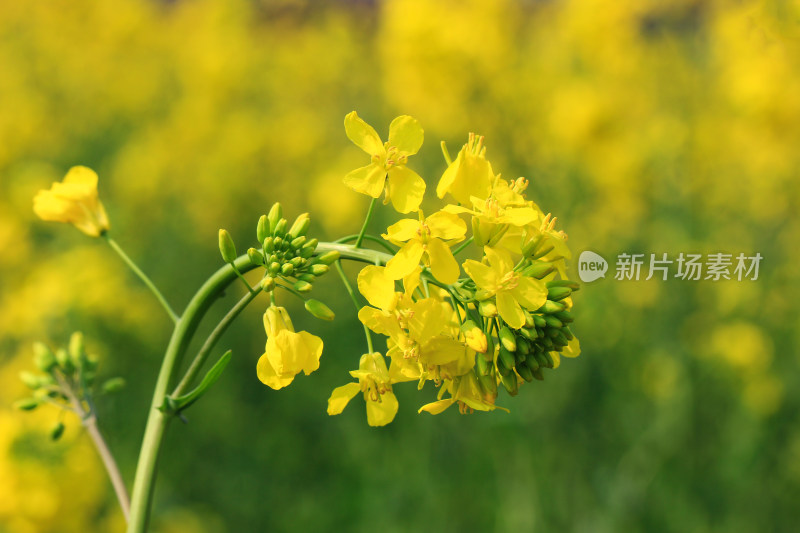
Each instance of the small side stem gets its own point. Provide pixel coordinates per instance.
(146, 280)
(463, 245)
(353, 297)
(360, 238)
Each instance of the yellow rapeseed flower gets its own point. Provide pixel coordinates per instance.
(404, 187)
(469, 175)
(467, 392)
(427, 239)
(374, 382)
(511, 288)
(287, 353)
(74, 201)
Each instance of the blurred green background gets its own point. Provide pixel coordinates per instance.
(646, 127)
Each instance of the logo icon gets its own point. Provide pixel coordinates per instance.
(591, 266)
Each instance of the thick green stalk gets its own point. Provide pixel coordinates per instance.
(185, 328)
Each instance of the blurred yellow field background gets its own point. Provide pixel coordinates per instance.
(646, 127)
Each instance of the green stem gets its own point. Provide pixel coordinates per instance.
(463, 245)
(372, 238)
(208, 345)
(147, 281)
(185, 327)
(366, 222)
(353, 297)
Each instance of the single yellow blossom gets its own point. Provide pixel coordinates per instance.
(511, 288)
(467, 392)
(374, 382)
(404, 187)
(428, 240)
(287, 353)
(469, 175)
(74, 201)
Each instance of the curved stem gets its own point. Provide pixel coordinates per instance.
(205, 350)
(353, 297)
(368, 237)
(185, 328)
(366, 223)
(146, 280)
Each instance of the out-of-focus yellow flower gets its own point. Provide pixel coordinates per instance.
(511, 288)
(469, 175)
(425, 240)
(467, 392)
(374, 382)
(404, 187)
(74, 201)
(287, 353)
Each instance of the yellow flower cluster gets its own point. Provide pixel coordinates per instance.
(502, 324)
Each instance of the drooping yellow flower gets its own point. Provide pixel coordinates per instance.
(428, 240)
(74, 201)
(287, 353)
(404, 187)
(511, 288)
(374, 382)
(470, 174)
(467, 392)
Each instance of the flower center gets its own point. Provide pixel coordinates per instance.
(509, 281)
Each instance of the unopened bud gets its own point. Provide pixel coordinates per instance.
(269, 245)
(268, 283)
(498, 234)
(488, 384)
(297, 243)
(565, 317)
(550, 307)
(64, 361)
(287, 269)
(474, 337)
(262, 229)
(558, 293)
(510, 383)
(274, 268)
(319, 310)
(523, 346)
(538, 270)
(300, 226)
(543, 251)
(307, 277)
(226, 247)
(507, 339)
(487, 308)
(531, 245)
(274, 216)
(328, 257)
(280, 228)
(552, 321)
(31, 380)
(318, 269)
(57, 431)
(483, 365)
(26, 404)
(255, 257)
(506, 357)
(524, 372)
(302, 286)
(43, 357)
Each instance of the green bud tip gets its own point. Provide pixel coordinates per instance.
(319, 309)
(280, 228)
(226, 247)
(287, 269)
(318, 269)
(302, 286)
(57, 431)
(44, 357)
(275, 214)
(262, 229)
(255, 257)
(268, 283)
(328, 257)
(300, 225)
(26, 404)
(507, 339)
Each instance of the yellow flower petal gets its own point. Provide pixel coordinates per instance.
(74, 201)
(341, 396)
(519, 216)
(447, 226)
(380, 322)
(367, 180)
(402, 230)
(531, 293)
(499, 259)
(483, 275)
(405, 261)
(509, 310)
(405, 189)
(362, 134)
(268, 376)
(444, 266)
(376, 287)
(406, 135)
(572, 349)
(469, 175)
(380, 413)
(435, 408)
(81, 175)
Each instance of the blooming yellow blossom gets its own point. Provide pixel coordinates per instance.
(467, 392)
(287, 353)
(469, 175)
(511, 288)
(404, 187)
(74, 201)
(374, 382)
(427, 239)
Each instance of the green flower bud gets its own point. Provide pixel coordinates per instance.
(26, 404)
(510, 383)
(523, 346)
(487, 308)
(268, 283)
(567, 333)
(269, 245)
(539, 321)
(319, 309)
(543, 251)
(538, 270)
(287, 269)
(532, 363)
(274, 268)
(507, 339)
(256, 258)
(226, 247)
(488, 384)
(474, 336)
(300, 226)
(497, 234)
(307, 277)
(565, 317)
(524, 372)
(57, 431)
(573, 285)
(528, 318)
(298, 262)
(318, 269)
(538, 374)
(552, 321)
(302, 286)
(483, 365)
(558, 293)
(506, 357)
(64, 361)
(550, 307)
(262, 229)
(274, 216)
(502, 368)
(328, 257)
(529, 334)
(31, 380)
(530, 246)
(297, 243)
(477, 237)
(541, 359)
(113, 385)
(277, 243)
(280, 228)
(43, 357)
